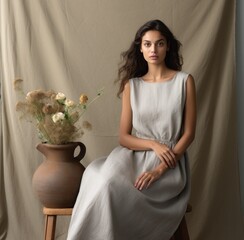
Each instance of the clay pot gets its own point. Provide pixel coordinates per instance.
(57, 180)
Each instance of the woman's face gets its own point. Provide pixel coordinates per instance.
(154, 47)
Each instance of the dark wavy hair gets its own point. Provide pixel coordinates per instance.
(133, 63)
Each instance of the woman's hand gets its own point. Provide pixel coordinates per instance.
(147, 178)
(165, 154)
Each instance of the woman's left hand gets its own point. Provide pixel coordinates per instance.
(147, 178)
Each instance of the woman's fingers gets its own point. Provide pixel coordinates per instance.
(145, 180)
(169, 157)
(149, 183)
(166, 155)
(142, 181)
(170, 161)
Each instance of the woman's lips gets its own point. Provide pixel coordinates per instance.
(153, 57)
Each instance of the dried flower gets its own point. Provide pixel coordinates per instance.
(48, 109)
(59, 116)
(83, 99)
(18, 84)
(55, 116)
(69, 103)
(60, 97)
(87, 125)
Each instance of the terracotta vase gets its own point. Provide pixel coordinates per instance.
(57, 180)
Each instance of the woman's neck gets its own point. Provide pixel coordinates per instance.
(158, 73)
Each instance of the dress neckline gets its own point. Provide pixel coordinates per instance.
(169, 80)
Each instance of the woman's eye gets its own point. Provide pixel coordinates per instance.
(147, 44)
(161, 44)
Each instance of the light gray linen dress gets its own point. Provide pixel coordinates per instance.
(108, 206)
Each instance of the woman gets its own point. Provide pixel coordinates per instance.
(140, 191)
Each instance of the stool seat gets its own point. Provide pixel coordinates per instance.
(57, 211)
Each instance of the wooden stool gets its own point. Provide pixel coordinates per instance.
(52, 213)
(50, 220)
(182, 232)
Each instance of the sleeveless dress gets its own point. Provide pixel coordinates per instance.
(108, 206)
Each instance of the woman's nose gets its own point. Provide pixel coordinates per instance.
(153, 48)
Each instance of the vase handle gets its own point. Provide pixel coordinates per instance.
(82, 151)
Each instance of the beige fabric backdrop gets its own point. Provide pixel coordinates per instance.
(74, 47)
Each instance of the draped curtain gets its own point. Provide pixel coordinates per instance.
(74, 47)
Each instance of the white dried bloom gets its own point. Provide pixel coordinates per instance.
(58, 117)
(69, 103)
(60, 96)
(28, 96)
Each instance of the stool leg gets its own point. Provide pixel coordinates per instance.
(182, 231)
(50, 227)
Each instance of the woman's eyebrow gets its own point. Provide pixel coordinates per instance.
(162, 39)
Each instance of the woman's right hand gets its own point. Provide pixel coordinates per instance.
(165, 154)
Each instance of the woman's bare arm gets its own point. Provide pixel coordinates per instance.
(189, 119)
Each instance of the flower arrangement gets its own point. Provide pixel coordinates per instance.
(54, 115)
